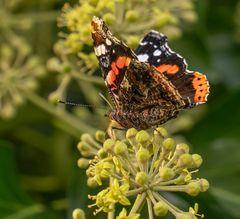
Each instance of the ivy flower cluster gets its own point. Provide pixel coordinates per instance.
(140, 166)
(19, 73)
(127, 19)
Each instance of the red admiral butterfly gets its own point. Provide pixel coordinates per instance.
(149, 86)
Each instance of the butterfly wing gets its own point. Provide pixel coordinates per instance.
(113, 55)
(192, 86)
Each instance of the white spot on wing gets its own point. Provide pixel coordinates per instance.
(143, 43)
(108, 42)
(103, 49)
(97, 51)
(143, 57)
(157, 52)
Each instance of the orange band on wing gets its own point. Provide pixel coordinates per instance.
(121, 62)
(200, 84)
(167, 68)
(114, 68)
(111, 78)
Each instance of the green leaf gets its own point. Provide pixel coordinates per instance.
(14, 202)
(228, 200)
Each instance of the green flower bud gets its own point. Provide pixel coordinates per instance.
(109, 18)
(133, 41)
(54, 65)
(102, 153)
(83, 163)
(185, 160)
(160, 209)
(54, 97)
(82, 146)
(59, 47)
(7, 111)
(166, 173)
(78, 214)
(108, 145)
(196, 161)
(131, 133)
(120, 148)
(142, 154)
(141, 178)
(18, 99)
(86, 138)
(100, 136)
(162, 20)
(193, 188)
(182, 148)
(132, 15)
(91, 182)
(168, 144)
(204, 185)
(161, 131)
(142, 136)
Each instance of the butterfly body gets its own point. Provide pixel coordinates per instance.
(149, 86)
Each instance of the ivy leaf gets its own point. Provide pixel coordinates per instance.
(14, 202)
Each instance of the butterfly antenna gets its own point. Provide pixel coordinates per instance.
(80, 105)
(105, 99)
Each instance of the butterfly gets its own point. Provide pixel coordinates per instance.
(149, 86)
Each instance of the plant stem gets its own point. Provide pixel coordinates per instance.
(155, 156)
(27, 212)
(138, 203)
(171, 188)
(151, 197)
(92, 79)
(134, 191)
(112, 206)
(150, 213)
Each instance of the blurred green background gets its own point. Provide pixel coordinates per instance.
(39, 177)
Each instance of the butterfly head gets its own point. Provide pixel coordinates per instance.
(100, 33)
